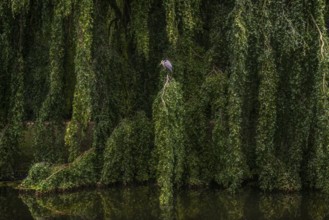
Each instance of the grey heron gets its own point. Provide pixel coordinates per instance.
(166, 64)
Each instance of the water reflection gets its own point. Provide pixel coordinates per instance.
(316, 206)
(143, 203)
(11, 207)
(211, 205)
(79, 204)
(280, 206)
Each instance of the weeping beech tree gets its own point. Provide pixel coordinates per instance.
(247, 101)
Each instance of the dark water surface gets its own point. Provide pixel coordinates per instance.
(142, 203)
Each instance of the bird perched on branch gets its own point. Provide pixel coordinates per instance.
(166, 64)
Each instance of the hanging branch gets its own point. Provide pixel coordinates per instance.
(82, 101)
(116, 9)
(322, 51)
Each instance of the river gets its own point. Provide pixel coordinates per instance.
(142, 203)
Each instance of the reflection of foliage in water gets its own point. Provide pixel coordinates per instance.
(130, 203)
(277, 206)
(233, 205)
(207, 204)
(189, 205)
(83, 204)
(318, 206)
(36, 210)
(143, 203)
(10, 205)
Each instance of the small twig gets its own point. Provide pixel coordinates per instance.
(214, 70)
(163, 90)
(59, 170)
(197, 54)
(321, 36)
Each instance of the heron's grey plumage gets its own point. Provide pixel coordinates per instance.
(166, 64)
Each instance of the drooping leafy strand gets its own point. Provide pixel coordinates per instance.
(5, 57)
(318, 152)
(168, 113)
(234, 168)
(190, 62)
(49, 127)
(267, 161)
(11, 134)
(103, 112)
(295, 99)
(301, 98)
(18, 6)
(128, 152)
(139, 23)
(171, 22)
(82, 103)
(214, 97)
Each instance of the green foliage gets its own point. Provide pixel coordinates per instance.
(37, 174)
(206, 126)
(49, 142)
(267, 114)
(11, 134)
(168, 114)
(214, 98)
(49, 139)
(18, 6)
(12, 127)
(318, 153)
(45, 178)
(5, 57)
(293, 85)
(139, 23)
(128, 152)
(82, 103)
(234, 168)
(249, 99)
(171, 26)
(189, 14)
(104, 115)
